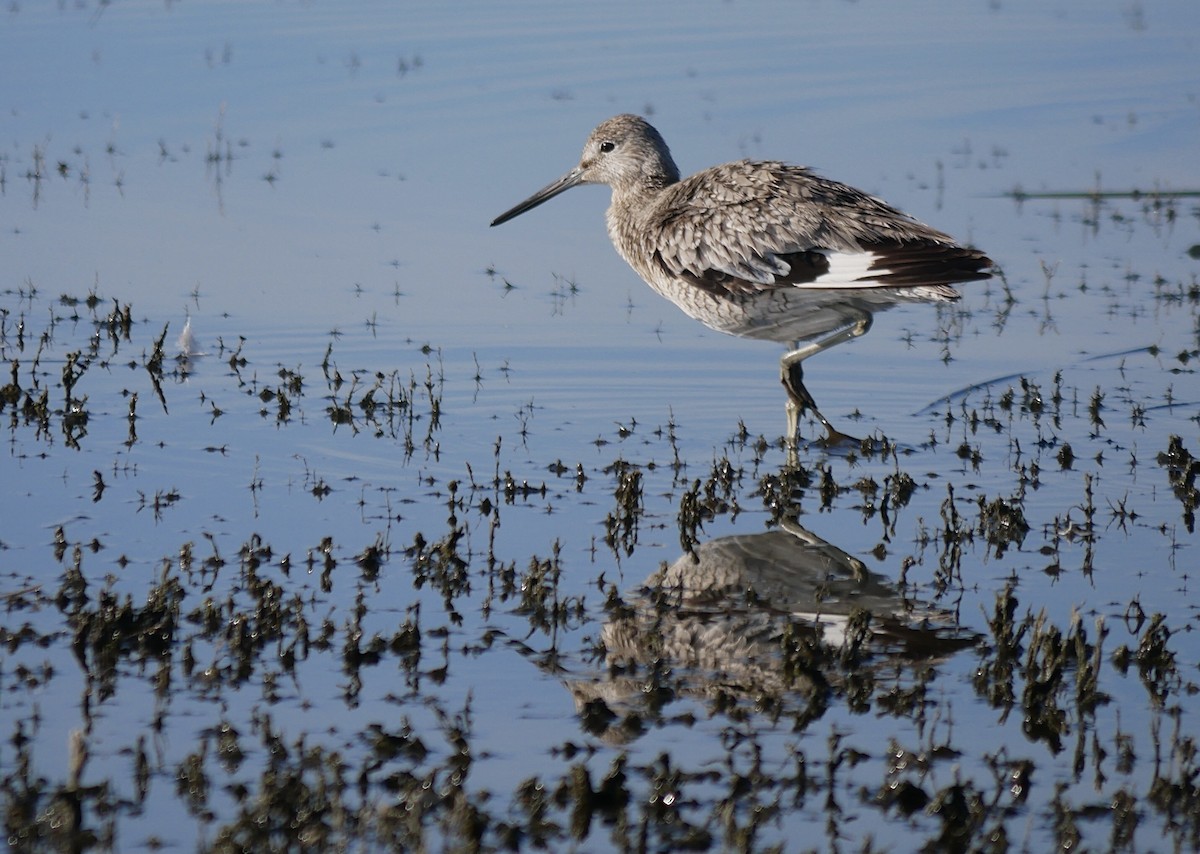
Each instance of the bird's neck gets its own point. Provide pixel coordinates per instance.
(648, 184)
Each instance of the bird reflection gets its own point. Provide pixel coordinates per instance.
(780, 614)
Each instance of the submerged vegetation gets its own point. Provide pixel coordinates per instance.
(308, 687)
(329, 525)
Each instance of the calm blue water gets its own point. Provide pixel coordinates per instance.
(313, 183)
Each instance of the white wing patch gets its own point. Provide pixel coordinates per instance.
(850, 270)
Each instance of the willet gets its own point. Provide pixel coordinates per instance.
(742, 246)
(733, 598)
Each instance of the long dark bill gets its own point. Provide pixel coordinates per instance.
(566, 182)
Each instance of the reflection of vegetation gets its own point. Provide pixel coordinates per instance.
(392, 406)
(772, 646)
(407, 784)
(1182, 471)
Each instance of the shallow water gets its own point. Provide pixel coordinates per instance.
(386, 535)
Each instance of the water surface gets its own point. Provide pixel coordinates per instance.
(378, 563)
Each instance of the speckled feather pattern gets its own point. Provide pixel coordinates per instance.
(748, 227)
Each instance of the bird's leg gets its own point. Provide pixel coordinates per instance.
(799, 401)
(791, 372)
(791, 525)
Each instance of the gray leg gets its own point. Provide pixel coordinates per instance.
(837, 558)
(791, 372)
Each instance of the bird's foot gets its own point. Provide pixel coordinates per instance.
(800, 401)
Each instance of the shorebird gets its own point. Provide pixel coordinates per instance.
(761, 248)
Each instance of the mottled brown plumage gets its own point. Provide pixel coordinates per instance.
(752, 225)
(751, 247)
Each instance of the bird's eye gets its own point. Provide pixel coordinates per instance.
(607, 146)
